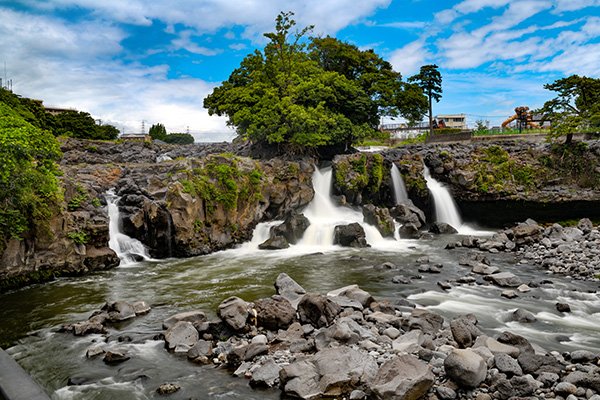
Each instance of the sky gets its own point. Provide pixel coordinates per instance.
(138, 61)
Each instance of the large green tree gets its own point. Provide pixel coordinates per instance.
(305, 93)
(158, 132)
(430, 80)
(575, 108)
(29, 188)
(81, 125)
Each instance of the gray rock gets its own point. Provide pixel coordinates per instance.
(403, 377)
(496, 347)
(94, 351)
(425, 320)
(410, 342)
(274, 313)
(548, 378)
(201, 348)
(289, 289)
(87, 327)
(292, 228)
(583, 356)
(508, 365)
(442, 228)
(585, 226)
(189, 316)
(115, 357)
(119, 310)
(167, 388)
(141, 307)
(465, 367)
(408, 231)
(351, 235)
(274, 243)
(267, 375)
(483, 269)
(353, 292)
(565, 388)
(522, 316)
(464, 331)
(563, 307)
(445, 393)
(330, 372)
(380, 218)
(504, 279)
(182, 333)
(317, 310)
(532, 363)
(583, 379)
(234, 312)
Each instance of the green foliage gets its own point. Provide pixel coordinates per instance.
(80, 197)
(158, 132)
(96, 202)
(221, 181)
(481, 127)
(79, 237)
(178, 138)
(575, 162)
(429, 80)
(576, 107)
(496, 171)
(359, 171)
(81, 125)
(414, 140)
(305, 97)
(29, 190)
(30, 110)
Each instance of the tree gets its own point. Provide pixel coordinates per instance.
(179, 138)
(575, 108)
(158, 132)
(430, 80)
(305, 93)
(81, 125)
(29, 189)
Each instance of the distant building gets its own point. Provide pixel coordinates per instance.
(57, 110)
(455, 121)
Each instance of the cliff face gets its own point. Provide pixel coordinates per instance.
(496, 184)
(178, 200)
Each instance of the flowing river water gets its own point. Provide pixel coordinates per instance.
(31, 316)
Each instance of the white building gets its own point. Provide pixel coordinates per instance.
(457, 121)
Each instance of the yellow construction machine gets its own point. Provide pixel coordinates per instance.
(524, 119)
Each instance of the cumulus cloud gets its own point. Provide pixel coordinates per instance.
(408, 59)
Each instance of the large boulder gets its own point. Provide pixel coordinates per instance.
(292, 228)
(195, 316)
(351, 235)
(380, 218)
(317, 310)
(504, 279)
(408, 214)
(464, 330)
(332, 372)
(403, 378)
(289, 289)
(408, 231)
(353, 292)
(274, 243)
(234, 312)
(442, 228)
(527, 232)
(181, 336)
(465, 367)
(425, 320)
(274, 313)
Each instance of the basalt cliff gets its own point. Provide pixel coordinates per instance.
(183, 201)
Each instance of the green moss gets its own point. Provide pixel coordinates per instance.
(79, 237)
(96, 202)
(221, 181)
(79, 199)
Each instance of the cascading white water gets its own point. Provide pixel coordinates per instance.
(445, 207)
(128, 249)
(324, 215)
(400, 194)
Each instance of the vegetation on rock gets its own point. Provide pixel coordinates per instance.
(359, 172)
(29, 189)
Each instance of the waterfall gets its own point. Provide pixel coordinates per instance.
(445, 207)
(324, 215)
(400, 194)
(128, 249)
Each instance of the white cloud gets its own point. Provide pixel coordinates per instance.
(406, 25)
(184, 41)
(256, 16)
(408, 59)
(573, 5)
(73, 66)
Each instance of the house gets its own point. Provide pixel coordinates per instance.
(136, 137)
(455, 121)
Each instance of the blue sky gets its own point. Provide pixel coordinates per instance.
(131, 61)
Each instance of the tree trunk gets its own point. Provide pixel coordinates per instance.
(430, 117)
(569, 138)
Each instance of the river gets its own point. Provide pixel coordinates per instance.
(31, 316)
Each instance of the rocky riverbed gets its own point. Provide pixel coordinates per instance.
(348, 344)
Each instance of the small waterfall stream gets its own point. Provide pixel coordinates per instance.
(445, 207)
(128, 249)
(400, 194)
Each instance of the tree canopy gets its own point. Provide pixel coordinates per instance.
(430, 80)
(81, 125)
(576, 106)
(28, 174)
(159, 132)
(310, 92)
